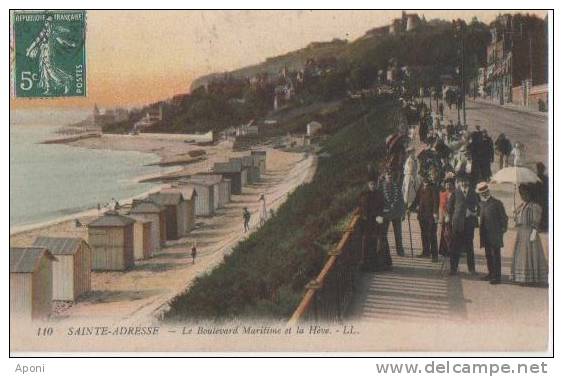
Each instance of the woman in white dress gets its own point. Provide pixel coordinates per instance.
(517, 154)
(411, 181)
(263, 212)
(529, 265)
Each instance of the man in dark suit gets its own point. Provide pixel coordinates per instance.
(462, 212)
(375, 250)
(493, 223)
(427, 201)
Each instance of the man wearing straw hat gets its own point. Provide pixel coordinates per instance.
(493, 223)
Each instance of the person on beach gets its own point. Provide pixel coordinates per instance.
(375, 249)
(263, 211)
(493, 223)
(194, 252)
(529, 265)
(246, 218)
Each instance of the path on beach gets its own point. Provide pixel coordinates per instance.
(140, 294)
(437, 312)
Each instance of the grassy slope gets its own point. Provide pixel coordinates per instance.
(265, 275)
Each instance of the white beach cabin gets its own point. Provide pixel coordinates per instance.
(31, 283)
(72, 270)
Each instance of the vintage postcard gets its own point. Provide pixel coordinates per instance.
(280, 181)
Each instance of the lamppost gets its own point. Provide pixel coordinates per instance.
(459, 29)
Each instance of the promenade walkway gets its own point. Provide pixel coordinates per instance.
(419, 306)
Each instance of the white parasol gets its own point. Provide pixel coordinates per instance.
(517, 175)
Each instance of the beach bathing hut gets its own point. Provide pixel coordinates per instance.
(230, 172)
(247, 162)
(176, 212)
(71, 271)
(110, 237)
(213, 181)
(31, 282)
(190, 198)
(142, 239)
(146, 209)
(189, 194)
(204, 196)
(238, 165)
(253, 168)
(227, 187)
(223, 184)
(260, 160)
(313, 128)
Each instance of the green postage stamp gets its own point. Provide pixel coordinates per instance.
(50, 53)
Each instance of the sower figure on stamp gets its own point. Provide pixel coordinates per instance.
(375, 251)
(493, 223)
(462, 212)
(49, 40)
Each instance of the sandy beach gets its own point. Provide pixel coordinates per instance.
(141, 294)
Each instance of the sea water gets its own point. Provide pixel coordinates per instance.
(48, 181)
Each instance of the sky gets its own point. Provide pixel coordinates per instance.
(139, 57)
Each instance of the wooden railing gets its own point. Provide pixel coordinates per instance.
(328, 296)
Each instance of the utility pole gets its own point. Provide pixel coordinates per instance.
(462, 27)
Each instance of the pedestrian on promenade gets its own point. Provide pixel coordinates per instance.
(462, 212)
(493, 223)
(375, 249)
(445, 227)
(263, 211)
(542, 196)
(194, 252)
(488, 156)
(427, 158)
(411, 178)
(460, 161)
(393, 209)
(246, 218)
(441, 110)
(476, 151)
(426, 204)
(517, 154)
(503, 147)
(450, 131)
(529, 265)
(423, 127)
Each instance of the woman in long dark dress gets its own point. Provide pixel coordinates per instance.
(375, 249)
(529, 265)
